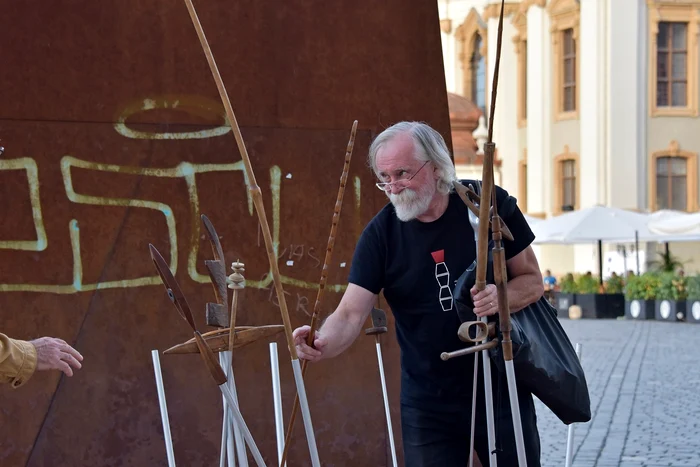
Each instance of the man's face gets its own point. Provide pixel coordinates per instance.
(397, 163)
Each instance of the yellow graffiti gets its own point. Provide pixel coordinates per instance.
(200, 106)
(29, 165)
(184, 170)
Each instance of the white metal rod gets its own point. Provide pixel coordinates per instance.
(277, 401)
(306, 413)
(163, 408)
(570, 434)
(226, 450)
(239, 444)
(473, 423)
(488, 393)
(515, 411)
(233, 408)
(386, 404)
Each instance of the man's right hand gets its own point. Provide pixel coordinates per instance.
(304, 351)
(56, 354)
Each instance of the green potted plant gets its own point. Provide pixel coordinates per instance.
(592, 303)
(666, 262)
(640, 295)
(693, 302)
(564, 297)
(614, 297)
(671, 297)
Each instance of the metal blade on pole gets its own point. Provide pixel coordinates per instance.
(386, 404)
(233, 408)
(305, 413)
(570, 434)
(515, 411)
(237, 437)
(488, 396)
(277, 400)
(227, 451)
(379, 326)
(473, 422)
(163, 408)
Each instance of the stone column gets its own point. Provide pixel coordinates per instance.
(538, 111)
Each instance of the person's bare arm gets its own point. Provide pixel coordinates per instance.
(524, 280)
(340, 329)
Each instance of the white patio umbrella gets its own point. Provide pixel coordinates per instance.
(595, 224)
(532, 220)
(685, 226)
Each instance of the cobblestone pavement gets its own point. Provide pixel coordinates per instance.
(644, 381)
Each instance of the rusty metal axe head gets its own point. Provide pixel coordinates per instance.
(379, 323)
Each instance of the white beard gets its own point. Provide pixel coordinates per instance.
(410, 204)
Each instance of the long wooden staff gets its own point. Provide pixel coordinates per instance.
(324, 278)
(499, 259)
(256, 194)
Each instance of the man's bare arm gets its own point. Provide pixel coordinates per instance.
(524, 280)
(340, 329)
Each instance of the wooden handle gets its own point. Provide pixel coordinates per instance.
(331, 237)
(213, 238)
(218, 340)
(237, 282)
(172, 287)
(377, 330)
(471, 350)
(482, 331)
(210, 360)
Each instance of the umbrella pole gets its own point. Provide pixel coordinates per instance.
(600, 261)
(636, 248)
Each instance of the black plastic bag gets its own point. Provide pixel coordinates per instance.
(544, 360)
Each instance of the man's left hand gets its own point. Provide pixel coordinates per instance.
(485, 301)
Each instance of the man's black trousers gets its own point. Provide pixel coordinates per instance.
(440, 438)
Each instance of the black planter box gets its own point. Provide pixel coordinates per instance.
(692, 309)
(669, 310)
(597, 306)
(639, 309)
(562, 302)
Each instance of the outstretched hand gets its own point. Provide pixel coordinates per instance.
(312, 354)
(56, 354)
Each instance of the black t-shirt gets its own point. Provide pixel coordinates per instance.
(417, 264)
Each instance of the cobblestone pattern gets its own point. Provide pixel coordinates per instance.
(644, 379)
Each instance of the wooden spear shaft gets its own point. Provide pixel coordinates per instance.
(324, 278)
(256, 193)
(253, 187)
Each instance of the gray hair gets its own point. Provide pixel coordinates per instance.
(429, 144)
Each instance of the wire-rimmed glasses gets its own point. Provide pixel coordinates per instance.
(386, 186)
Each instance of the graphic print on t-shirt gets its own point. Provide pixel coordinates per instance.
(442, 275)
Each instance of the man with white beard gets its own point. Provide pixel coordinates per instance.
(414, 250)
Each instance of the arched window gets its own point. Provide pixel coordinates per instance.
(567, 181)
(671, 183)
(673, 177)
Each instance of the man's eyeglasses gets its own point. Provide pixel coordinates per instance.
(386, 186)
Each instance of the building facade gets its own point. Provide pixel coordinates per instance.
(597, 103)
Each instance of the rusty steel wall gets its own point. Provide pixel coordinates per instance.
(115, 137)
